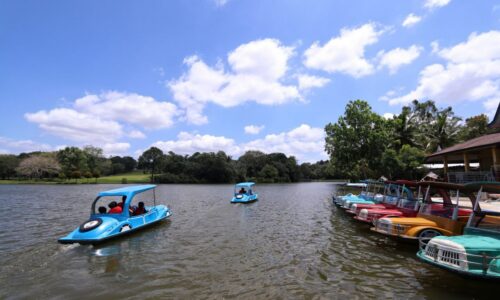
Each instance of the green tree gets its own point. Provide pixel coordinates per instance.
(8, 165)
(72, 159)
(444, 131)
(357, 140)
(151, 160)
(475, 126)
(268, 174)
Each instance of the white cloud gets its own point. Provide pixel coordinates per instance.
(411, 20)
(388, 116)
(309, 81)
(137, 134)
(306, 143)
(253, 129)
(398, 57)
(431, 4)
(99, 119)
(257, 70)
(130, 108)
(491, 106)
(73, 125)
(188, 143)
(113, 149)
(471, 73)
(17, 146)
(345, 53)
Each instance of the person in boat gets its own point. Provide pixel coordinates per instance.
(114, 208)
(123, 201)
(242, 191)
(102, 209)
(140, 209)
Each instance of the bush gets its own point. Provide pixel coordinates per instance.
(124, 181)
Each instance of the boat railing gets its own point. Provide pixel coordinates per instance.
(450, 256)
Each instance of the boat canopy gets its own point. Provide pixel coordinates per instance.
(359, 185)
(492, 187)
(128, 191)
(245, 184)
(442, 185)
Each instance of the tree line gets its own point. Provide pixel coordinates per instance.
(363, 144)
(220, 168)
(72, 163)
(65, 164)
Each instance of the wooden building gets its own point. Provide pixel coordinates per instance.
(483, 150)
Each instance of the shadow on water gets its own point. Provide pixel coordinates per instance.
(292, 243)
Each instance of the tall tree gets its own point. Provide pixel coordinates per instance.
(72, 159)
(444, 131)
(357, 140)
(8, 165)
(151, 160)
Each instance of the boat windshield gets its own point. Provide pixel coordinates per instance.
(487, 221)
(392, 194)
(108, 204)
(408, 200)
(447, 204)
(239, 190)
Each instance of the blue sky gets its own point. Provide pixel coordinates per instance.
(233, 75)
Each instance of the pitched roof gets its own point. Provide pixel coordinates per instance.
(476, 143)
(496, 120)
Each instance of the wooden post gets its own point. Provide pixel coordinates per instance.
(445, 164)
(494, 154)
(466, 162)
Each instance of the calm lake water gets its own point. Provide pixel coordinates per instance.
(292, 243)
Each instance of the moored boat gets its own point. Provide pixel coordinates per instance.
(406, 205)
(476, 253)
(438, 216)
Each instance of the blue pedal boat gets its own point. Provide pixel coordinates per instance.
(102, 226)
(243, 193)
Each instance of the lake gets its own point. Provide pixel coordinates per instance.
(292, 243)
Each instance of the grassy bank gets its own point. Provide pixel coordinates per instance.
(132, 177)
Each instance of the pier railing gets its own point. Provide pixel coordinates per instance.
(463, 177)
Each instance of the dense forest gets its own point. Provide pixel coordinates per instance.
(361, 144)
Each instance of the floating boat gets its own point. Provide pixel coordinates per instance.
(476, 253)
(102, 225)
(438, 216)
(243, 193)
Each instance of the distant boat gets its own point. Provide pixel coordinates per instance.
(103, 225)
(243, 193)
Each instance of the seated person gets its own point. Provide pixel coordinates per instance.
(114, 208)
(242, 191)
(140, 209)
(102, 209)
(123, 201)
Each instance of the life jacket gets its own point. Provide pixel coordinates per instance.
(115, 210)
